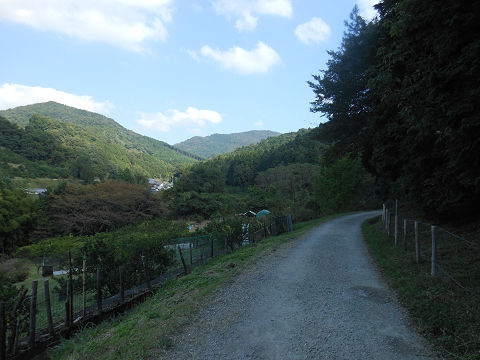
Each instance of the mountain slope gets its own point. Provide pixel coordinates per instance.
(55, 140)
(216, 144)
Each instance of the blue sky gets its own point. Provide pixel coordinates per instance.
(172, 69)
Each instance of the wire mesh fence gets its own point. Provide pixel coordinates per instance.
(449, 256)
(87, 287)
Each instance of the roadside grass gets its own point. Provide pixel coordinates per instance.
(447, 316)
(147, 328)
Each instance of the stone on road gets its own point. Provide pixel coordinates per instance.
(316, 297)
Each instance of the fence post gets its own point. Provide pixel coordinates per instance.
(396, 222)
(434, 251)
(417, 244)
(211, 246)
(3, 332)
(48, 307)
(11, 341)
(33, 314)
(68, 320)
(145, 271)
(191, 253)
(84, 287)
(99, 291)
(386, 220)
(122, 285)
(16, 336)
(405, 233)
(383, 213)
(183, 260)
(70, 276)
(389, 219)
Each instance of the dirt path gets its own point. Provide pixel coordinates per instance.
(317, 297)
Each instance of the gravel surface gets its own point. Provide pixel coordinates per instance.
(316, 297)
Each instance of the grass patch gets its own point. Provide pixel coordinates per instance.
(444, 313)
(148, 328)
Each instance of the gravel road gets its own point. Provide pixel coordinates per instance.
(316, 297)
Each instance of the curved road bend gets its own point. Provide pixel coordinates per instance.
(318, 297)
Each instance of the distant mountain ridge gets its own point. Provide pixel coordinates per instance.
(217, 144)
(54, 140)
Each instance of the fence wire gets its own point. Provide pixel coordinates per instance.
(450, 247)
(139, 277)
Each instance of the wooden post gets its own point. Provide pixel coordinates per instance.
(145, 272)
(405, 233)
(396, 222)
(48, 307)
(68, 319)
(16, 336)
(434, 251)
(211, 246)
(225, 239)
(122, 285)
(190, 248)
(84, 287)
(13, 317)
(99, 291)
(183, 260)
(3, 332)
(417, 244)
(70, 278)
(33, 314)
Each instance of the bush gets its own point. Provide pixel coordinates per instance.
(14, 270)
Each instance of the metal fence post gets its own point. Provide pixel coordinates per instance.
(405, 233)
(417, 244)
(434, 251)
(396, 222)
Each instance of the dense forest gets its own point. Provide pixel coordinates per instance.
(402, 92)
(217, 144)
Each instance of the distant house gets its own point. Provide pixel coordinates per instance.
(35, 191)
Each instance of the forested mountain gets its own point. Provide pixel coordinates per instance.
(279, 173)
(402, 92)
(54, 140)
(217, 144)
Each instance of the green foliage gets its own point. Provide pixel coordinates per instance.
(227, 184)
(217, 144)
(341, 91)
(401, 92)
(15, 218)
(60, 141)
(337, 184)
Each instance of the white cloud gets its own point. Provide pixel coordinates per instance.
(123, 23)
(367, 10)
(192, 117)
(194, 55)
(258, 124)
(258, 60)
(12, 95)
(313, 31)
(246, 11)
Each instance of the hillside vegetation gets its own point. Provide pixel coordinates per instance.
(217, 144)
(279, 173)
(54, 140)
